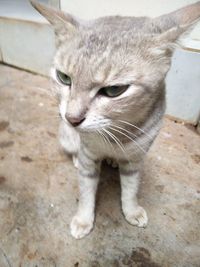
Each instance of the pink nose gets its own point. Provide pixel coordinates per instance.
(74, 121)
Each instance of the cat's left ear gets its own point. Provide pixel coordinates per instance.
(177, 23)
(64, 24)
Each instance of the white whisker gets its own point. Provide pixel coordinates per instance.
(103, 137)
(128, 138)
(117, 141)
(108, 141)
(129, 132)
(136, 127)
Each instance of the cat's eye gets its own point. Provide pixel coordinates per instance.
(63, 78)
(113, 91)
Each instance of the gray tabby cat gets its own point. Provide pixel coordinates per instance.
(109, 78)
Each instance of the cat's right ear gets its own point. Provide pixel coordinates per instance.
(63, 23)
(177, 23)
(173, 27)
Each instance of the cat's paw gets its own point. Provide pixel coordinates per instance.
(80, 227)
(137, 217)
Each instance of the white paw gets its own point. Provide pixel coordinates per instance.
(80, 228)
(112, 163)
(137, 217)
(75, 161)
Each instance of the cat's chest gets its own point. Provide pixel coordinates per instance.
(102, 147)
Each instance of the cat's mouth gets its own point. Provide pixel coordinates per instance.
(79, 127)
(87, 124)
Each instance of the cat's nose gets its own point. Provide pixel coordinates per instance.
(74, 121)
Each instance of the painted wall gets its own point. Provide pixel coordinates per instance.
(26, 44)
(183, 86)
(26, 39)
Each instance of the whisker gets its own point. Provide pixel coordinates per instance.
(136, 127)
(100, 133)
(117, 141)
(104, 133)
(129, 132)
(125, 130)
(114, 138)
(129, 138)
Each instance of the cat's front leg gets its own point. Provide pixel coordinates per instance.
(129, 177)
(88, 175)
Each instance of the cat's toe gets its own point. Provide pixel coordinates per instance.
(80, 228)
(137, 217)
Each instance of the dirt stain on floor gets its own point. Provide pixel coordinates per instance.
(26, 159)
(140, 257)
(5, 144)
(3, 125)
(51, 134)
(196, 158)
(160, 188)
(2, 179)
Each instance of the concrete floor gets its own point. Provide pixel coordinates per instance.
(38, 192)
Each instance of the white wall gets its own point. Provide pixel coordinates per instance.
(26, 40)
(183, 86)
(25, 44)
(89, 9)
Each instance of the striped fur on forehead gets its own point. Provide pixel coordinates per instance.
(107, 61)
(104, 68)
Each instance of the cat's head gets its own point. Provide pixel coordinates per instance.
(112, 68)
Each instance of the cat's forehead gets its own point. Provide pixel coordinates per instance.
(103, 49)
(114, 34)
(97, 49)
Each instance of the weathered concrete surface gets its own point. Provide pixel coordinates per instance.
(38, 192)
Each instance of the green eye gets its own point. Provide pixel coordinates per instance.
(113, 91)
(63, 78)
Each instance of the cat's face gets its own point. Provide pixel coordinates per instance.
(112, 68)
(101, 78)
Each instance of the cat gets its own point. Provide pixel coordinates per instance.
(109, 77)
